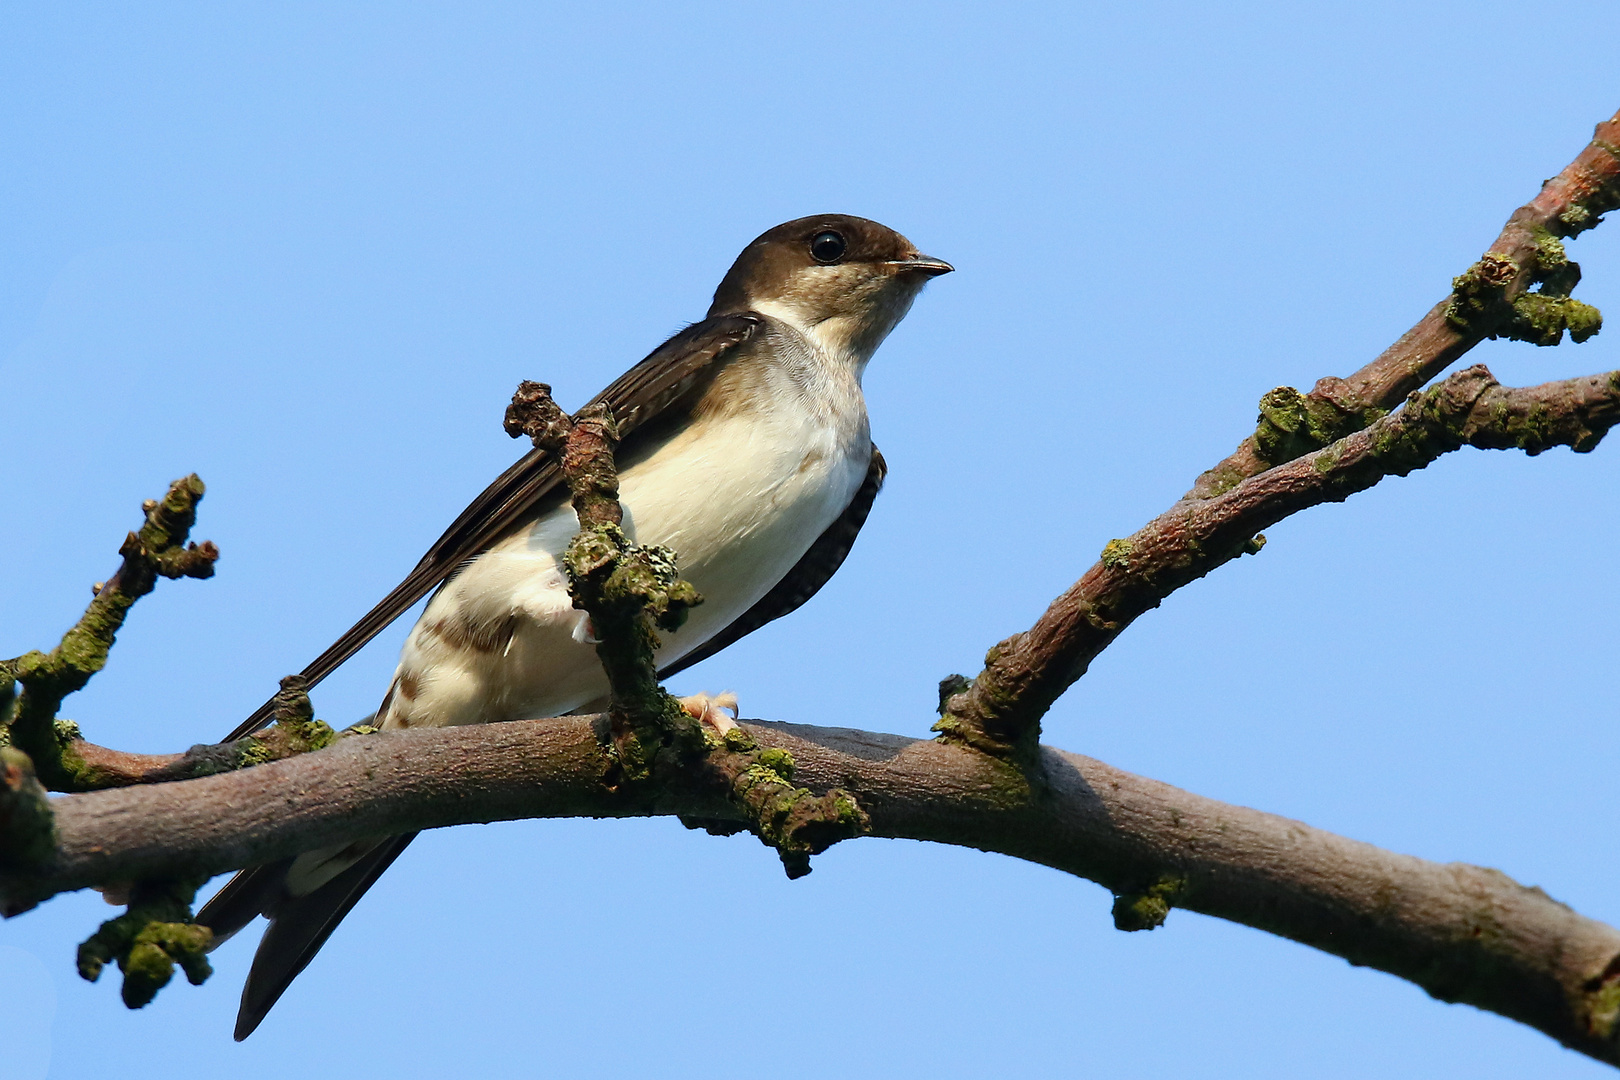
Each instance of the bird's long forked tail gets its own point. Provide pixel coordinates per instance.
(299, 925)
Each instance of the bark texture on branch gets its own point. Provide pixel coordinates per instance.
(1461, 932)
(294, 731)
(1000, 710)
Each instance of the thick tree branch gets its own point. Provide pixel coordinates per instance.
(1000, 710)
(1462, 933)
(1488, 300)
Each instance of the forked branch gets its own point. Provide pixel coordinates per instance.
(1000, 711)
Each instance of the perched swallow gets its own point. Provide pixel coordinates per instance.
(744, 448)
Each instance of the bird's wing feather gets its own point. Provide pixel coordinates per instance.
(668, 375)
(806, 578)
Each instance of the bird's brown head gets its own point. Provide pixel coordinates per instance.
(845, 279)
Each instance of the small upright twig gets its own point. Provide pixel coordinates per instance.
(629, 591)
(159, 549)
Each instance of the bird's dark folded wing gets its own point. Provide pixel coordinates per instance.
(666, 379)
(806, 578)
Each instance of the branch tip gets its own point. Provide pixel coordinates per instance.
(1147, 908)
(154, 934)
(999, 712)
(1484, 303)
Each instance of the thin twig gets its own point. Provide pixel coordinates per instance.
(630, 592)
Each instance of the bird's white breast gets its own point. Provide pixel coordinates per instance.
(739, 496)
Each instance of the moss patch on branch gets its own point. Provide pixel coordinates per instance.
(1292, 424)
(794, 821)
(1147, 908)
(1483, 300)
(149, 939)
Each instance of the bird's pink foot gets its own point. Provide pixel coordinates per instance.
(710, 709)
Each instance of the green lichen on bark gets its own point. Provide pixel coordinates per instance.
(1116, 554)
(985, 716)
(1148, 907)
(991, 712)
(1292, 424)
(1577, 219)
(1215, 482)
(1479, 294)
(1481, 304)
(1542, 319)
(154, 935)
(1601, 1005)
(296, 730)
(794, 821)
(630, 593)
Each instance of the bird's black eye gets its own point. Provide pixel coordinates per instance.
(827, 247)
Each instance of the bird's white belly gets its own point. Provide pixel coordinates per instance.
(738, 499)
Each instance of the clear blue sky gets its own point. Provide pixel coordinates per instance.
(308, 250)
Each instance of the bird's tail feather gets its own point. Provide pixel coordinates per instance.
(299, 925)
(244, 898)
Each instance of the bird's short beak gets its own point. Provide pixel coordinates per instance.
(923, 264)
